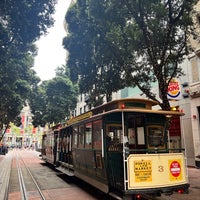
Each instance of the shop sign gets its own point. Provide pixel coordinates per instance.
(174, 90)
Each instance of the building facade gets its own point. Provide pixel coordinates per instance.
(194, 86)
(25, 135)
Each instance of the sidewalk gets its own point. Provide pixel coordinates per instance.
(194, 189)
(1, 157)
(194, 180)
(5, 168)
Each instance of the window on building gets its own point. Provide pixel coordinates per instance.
(194, 68)
(85, 109)
(81, 111)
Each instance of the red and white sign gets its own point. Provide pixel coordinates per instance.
(175, 168)
(174, 90)
(34, 130)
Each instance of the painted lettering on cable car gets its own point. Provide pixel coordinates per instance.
(143, 171)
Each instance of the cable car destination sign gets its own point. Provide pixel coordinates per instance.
(150, 170)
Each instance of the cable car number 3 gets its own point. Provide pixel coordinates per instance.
(161, 168)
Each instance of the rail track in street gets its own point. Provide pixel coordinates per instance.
(26, 179)
(29, 177)
(22, 183)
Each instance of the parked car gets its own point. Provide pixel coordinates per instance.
(3, 149)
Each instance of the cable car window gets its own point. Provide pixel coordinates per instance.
(88, 134)
(97, 127)
(140, 135)
(114, 137)
(155, 136)
(136, 131)
(60, 145)
(81, 136)
(65, 142)
(131, 136)
(115, 133)
(75, 136)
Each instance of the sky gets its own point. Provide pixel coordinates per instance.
(51, 53)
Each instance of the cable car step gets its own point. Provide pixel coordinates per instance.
(115, 196)
(65, 171)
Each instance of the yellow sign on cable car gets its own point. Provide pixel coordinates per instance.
(153, 170)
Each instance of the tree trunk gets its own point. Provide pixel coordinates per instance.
(163, 86)
(7, 125)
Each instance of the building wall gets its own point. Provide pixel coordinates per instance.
(194, 86)
(195, 115)
(186, 121)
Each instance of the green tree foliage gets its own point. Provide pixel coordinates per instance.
(38, 104)
(54, 99)
(89, 55)
(22, 22)
(118, 43)
(16, 78)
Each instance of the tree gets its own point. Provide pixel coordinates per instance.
(22, 22)
(38, 104)
(88, 62)
(143, 41)
(16, 78)
(54, 99)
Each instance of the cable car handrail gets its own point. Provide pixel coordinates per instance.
(148, 150)
(156, 150)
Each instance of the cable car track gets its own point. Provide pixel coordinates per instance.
(26, 170)
(23, 171)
